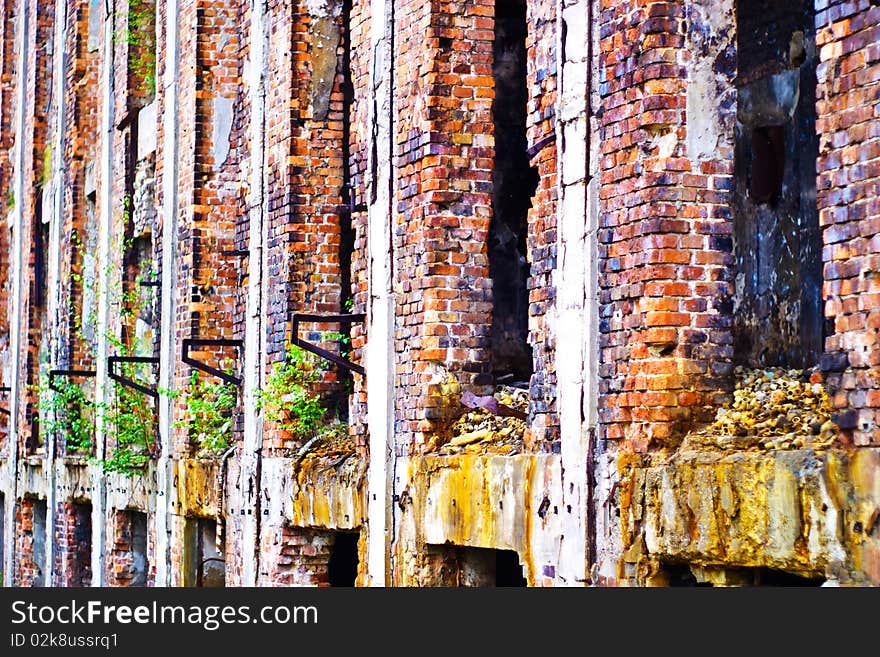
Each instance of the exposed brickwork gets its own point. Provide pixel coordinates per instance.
(541, 108)
(306, 176)
(127, 561)
(29, 571)
(297, 557)
(73, 544)
(660, 127)
(664, 235)
(33, 231)
(7, 140)
(849, 211)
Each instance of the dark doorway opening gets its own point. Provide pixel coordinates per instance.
(342, 568)
(39, 542)
(508, 571)
(139, 561)
(204, 555)
(81, 575)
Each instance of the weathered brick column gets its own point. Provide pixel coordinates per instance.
(665, 73)
(445, 150)
(848, 38)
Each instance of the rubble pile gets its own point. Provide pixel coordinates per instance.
(480, 430)
(772, 409)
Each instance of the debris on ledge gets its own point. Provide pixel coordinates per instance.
(773, 408)
(481, 430)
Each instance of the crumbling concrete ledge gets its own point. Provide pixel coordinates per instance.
(811, 513)
(488, 501)
(319, 493)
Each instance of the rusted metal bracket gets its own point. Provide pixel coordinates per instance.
(296, 318)
(189, 343)
(5, 411)
(71, 373)
(111, 372)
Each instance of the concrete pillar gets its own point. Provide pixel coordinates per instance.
(380, 315)
(256, 72)
(168, 338)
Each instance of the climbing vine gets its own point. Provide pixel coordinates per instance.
(127, 413)
(287, 398)
(141, 39)
(208, 418)
(67, 411)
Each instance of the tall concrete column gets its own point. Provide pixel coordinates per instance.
(380, 315)
(254, 340)
(577, 320)
(168, 338)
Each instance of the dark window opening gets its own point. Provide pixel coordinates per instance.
(768, 163)
(777, 244)
(38, 545)
(41, 257)
(342, 568)
(513, 184)
(81, 575)
(677, 575)
(204, 556)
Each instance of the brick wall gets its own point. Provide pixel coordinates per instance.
(304, 143)
(296, 557)
(444, 149)
(664, 218)
(128, 561)
(29, 567)
(849, 211)
(542, 84)
(37, 112)
(73, 545)
(358, 137)
(7, 140)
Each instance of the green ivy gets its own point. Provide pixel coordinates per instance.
(127, 413)
(287, 399)
(132, 417)
(209, 406)
(67, 412)
(140, 37)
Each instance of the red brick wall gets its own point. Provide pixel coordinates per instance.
(541, 57)
(296, 557)
(7, 141)
(120, 562)
(305, 179)
(37, 110)
(664, 217)
(359, 135)
(848, 123)
(73, 545)
(26, 571)
(444, 149)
